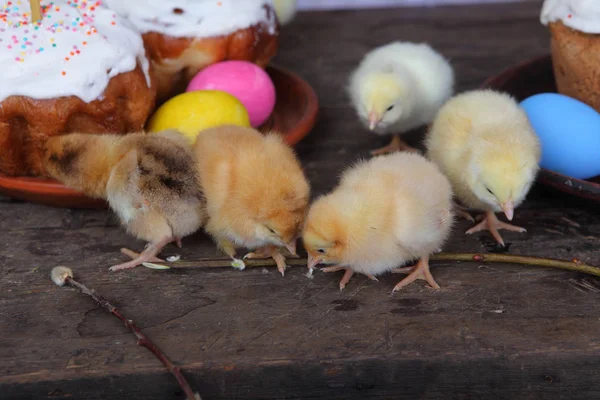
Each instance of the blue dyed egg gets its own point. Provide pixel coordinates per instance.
(569, 133)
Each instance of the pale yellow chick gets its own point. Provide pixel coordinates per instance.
(385, 212)
(398, 87)
(255, 190)
(484, 143)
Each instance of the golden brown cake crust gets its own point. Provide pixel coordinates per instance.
(576, 63)
(177, 60)
(26, 123)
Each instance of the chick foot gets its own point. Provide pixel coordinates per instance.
(463, 212)
(419, 271)
(491, 223)
(395, 145)
(133, 255)
(148, 255)
(347, 275)
(273, 252)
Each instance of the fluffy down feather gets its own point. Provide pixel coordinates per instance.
(483, 142)
(255, 189)
(148, 180)
(384, 212)
(400, 86)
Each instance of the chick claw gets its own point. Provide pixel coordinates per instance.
(395, 145)
(419, 271)
(268, 251)
(491, 223)
(148, 255)
(347, 275)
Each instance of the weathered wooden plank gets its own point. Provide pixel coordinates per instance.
(521, 377)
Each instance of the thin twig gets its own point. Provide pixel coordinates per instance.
(223, 262)
(62, 275)
(573, 265)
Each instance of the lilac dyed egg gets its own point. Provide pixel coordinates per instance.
(244, 80)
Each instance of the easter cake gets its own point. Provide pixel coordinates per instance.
(183, 36)
(80, 68)
(575, 29)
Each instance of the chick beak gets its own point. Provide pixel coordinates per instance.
(313, 262)
(291, 246)
(509, 209)
(373, 120)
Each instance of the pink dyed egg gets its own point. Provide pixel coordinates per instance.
(244, 80)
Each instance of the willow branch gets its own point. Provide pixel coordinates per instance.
(572, 265)
(62, 275)
(224, 262)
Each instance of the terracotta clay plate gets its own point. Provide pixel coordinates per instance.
(529, 78)
(294, 116)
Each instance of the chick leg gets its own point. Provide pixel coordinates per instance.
(347, 274)
(395, 145)
(133, 255)
(149, 254)
(492, 224)
(263, 252)
(229, 248)
(463, 212)
(280, 261)
(273, 252)
(419, 271)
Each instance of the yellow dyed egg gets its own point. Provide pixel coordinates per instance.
(192, 112)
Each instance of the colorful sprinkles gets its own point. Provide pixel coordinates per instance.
(18, 32)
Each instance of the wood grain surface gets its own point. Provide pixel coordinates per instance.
(491, 331)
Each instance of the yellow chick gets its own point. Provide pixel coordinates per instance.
(149, 181)
(384, 213)
(399, 87)
(255, 189)
(285, 10)
(484, 143)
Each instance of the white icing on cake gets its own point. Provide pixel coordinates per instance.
(582, 15)
(74, 50)
(195, 18)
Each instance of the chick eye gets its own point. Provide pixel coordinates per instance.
(322, 251)
(390, 108)
(488, 189)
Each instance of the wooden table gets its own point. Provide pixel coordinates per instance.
(492, 331)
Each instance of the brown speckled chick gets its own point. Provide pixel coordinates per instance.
(148, 180)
